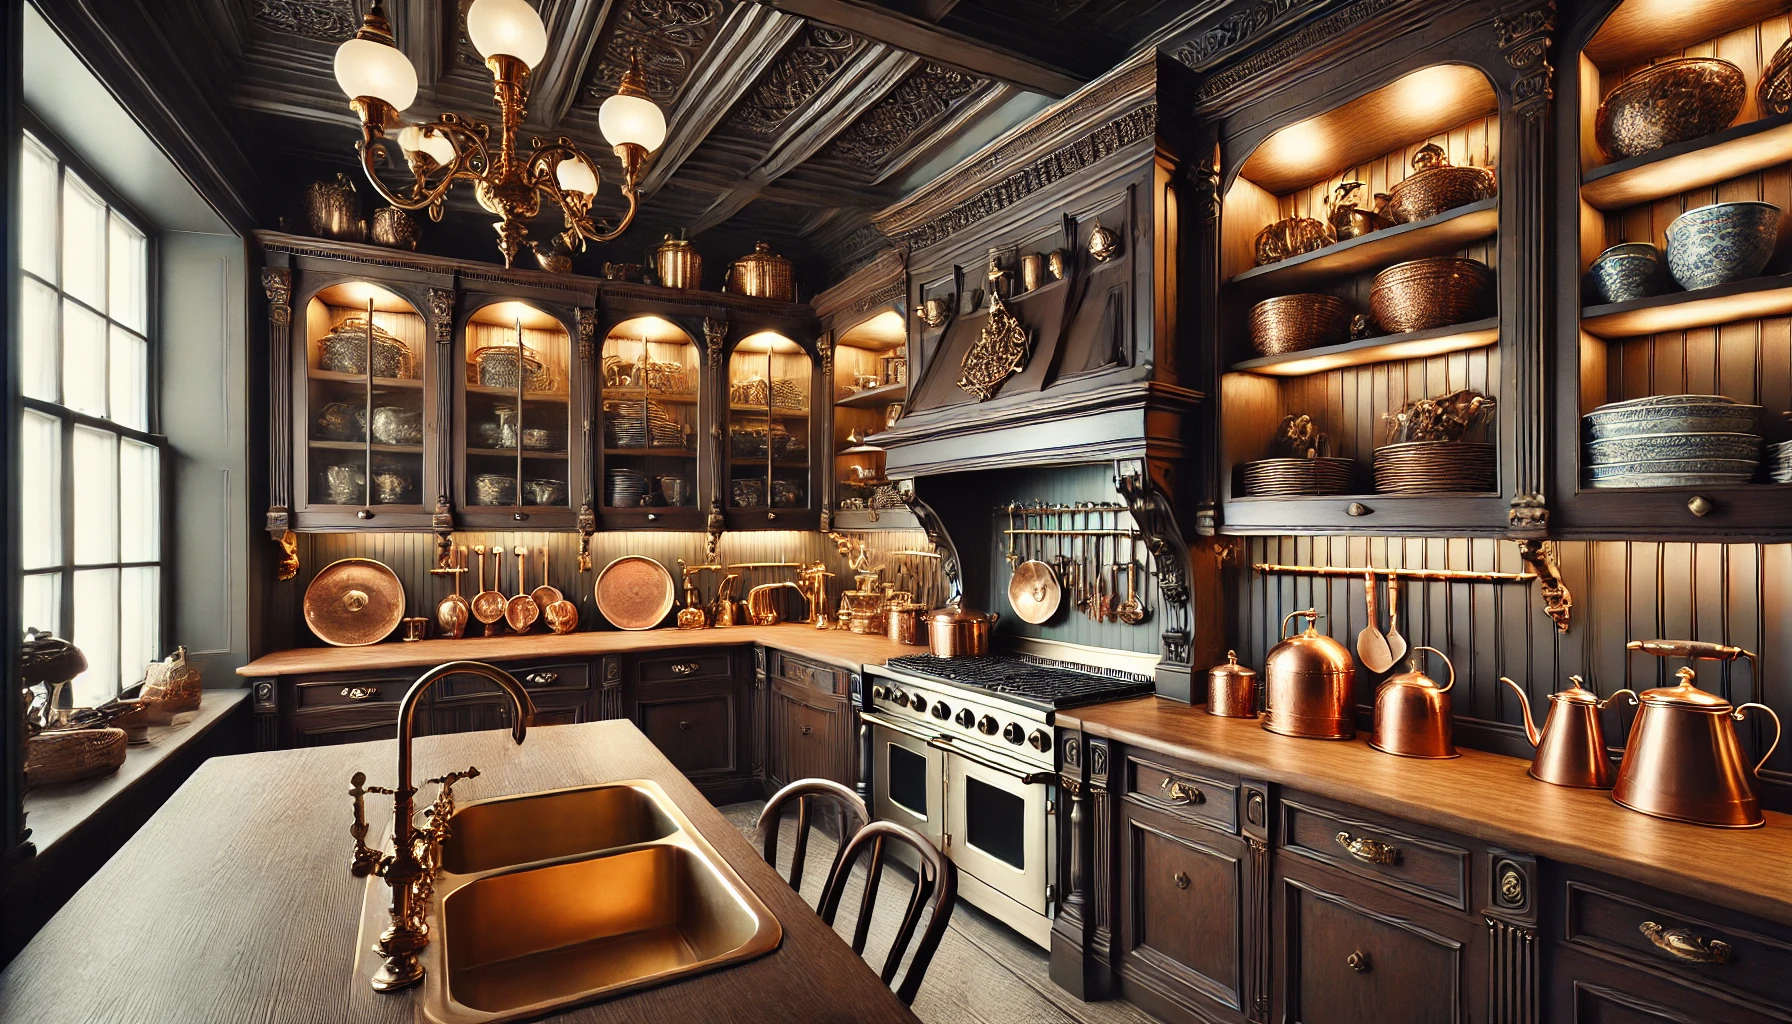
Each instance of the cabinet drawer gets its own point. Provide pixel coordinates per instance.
(352, 692)
(555, 677)
(1697, 943)
(808, 674)
(1592, 990)
(1199, 794)
(326, 726)
(1372, 849)
(685, 667)
(1348, 962)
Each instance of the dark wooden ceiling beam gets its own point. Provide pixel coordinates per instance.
(574, 27)
(928, 40)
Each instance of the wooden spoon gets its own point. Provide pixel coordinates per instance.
(454, 611)
(1396, 642)
(488, 605)
(522, 611)
(545, 594)
(1371, 645)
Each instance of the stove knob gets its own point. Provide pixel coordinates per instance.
(1013, 733)
(1040, 740)
(941, 711)
(965, 718)
(918, 703)
(900, 697)
(877, 692)
(986, 725)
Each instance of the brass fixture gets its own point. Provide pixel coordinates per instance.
(936, 310)
(1369, 851)
(723, 612)
(380, 83)
(760, 609)
(411, 868)
(1571, 745)
(1104, 245)
(1538, 555)
(1684, 946)
(694, 615)
(1001, 350)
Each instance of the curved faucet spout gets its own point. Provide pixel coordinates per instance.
(525, 709)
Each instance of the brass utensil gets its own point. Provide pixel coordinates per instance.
(1033, 592)
(488, 605)
(545, 594)
(521, 611)
(1132, 612)
(562, 616)
(1371, 644)
(1396, 642)
(454, 611)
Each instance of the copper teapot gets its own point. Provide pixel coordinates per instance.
(1412, 712)
(1309, 685)
(762, 274)
(1571, 746)
(1684, 761)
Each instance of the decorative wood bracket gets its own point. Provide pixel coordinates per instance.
(717, 523)
(289, 556)
(587, 334)
(715, 332)
(1540, 555)
(587, 527)
(1156, 517)
(442, 522)
(938, 537)
(441, 314)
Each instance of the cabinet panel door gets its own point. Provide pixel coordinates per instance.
(1186, 890)
(322, 727)
(1592, 990)
(809, 734)
(1347, 962)
(695, 733)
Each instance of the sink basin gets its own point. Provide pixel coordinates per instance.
(546, 826)
(548, 900)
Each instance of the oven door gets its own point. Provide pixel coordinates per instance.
(907, 781)
(997, 823)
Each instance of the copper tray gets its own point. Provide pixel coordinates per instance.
(634, 592)
(354, 602)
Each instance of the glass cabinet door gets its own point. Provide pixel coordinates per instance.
(518, 410)
(650, 384)
(768, 424)
(364, 436)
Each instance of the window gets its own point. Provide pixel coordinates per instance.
(91, 494)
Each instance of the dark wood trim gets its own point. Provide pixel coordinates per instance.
(15, 844)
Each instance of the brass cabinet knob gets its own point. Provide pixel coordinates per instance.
(360, 692)
(1181, 880)
(807, 730)
(1683, 945)
(541, 678)
(686, 726)
(1180, 793)
(1699, 505)
(1368, 850)
(1358, 962)
(1357, 508)
(684, 668)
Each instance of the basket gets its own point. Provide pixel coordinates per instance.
(56, 757)
(1278, 477)
(1292, 323)
(344, 350)
(1435, 186)
(172, 686)
(1436, 292)
(497, 369)
(1670, 102)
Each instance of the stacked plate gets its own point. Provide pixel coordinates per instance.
(1427, 467)
(625, 487)
(1779, 462)
(1275, 477)
(627, 425)
(1673, 441)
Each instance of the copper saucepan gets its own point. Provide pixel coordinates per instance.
(958, 632)
(522, 610)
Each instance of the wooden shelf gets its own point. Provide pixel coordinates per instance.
(624, 394)
(1689, 165)
(333, 377)
(779, 464)
(361, 446)
(1435, 236)
(660, 453)
(559, 397)
(1411, 345)
(875, 396)
(783, 414)
(1679, 311)
(510, 453)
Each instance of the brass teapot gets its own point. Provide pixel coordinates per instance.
(1571, 745)
(1412, 712)
(1349, 220)
(1683, 760)
(761, 273)
(1309, 685)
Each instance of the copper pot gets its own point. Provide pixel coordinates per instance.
(1412, 712)
(393, 228)
(677, 264)
(1683, 760)
(1571, 746)
(1309, 685)
(958, 632)
(1232, 689)
(903, 623)
(761, 273)
(330, 210)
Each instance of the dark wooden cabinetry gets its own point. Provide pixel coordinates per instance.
(811, 725)
(693, 708)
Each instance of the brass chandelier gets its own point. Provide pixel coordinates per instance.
(381, 83)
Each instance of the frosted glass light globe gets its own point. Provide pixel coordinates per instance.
(508, 27)
(367, 68)
(576, 176)
(632, 119)
(433, 144)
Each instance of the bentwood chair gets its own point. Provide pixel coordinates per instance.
(804, 792)
(938, 879)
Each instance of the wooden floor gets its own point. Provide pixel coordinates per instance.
(983, 973)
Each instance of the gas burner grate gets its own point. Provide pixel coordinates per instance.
(1013, 677)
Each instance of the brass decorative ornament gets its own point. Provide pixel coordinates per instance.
(1104, 245)
(1001, 351)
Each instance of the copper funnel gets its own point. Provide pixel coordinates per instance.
(1571, 748)
(1684, 761)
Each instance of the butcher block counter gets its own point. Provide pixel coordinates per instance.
(235, 902)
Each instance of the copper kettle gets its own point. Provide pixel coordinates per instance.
(1684, 761)
(1309, 685)
(1571, 746)
(1412, 712)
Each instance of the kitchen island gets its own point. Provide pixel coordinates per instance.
(235, 901)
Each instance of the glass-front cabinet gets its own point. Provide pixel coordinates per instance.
(652, 387)
(518, 377)
(770, 413)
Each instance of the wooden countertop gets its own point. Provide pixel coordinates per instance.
(1487, 796)
(837, 647)
(235, 903)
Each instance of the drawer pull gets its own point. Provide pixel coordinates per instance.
(541, 678)
(686, 726)
(807, 730)
(1684, 946)
(1181, 879)
(1368, 850)
(360, 692)
(1358, 962)
(685, 668)
(1179, 792)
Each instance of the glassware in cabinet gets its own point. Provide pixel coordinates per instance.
(517, 424)
(768, 445)
(363, 411)
(651, 385)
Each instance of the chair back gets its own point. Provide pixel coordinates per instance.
(803, 793)
(937, 882)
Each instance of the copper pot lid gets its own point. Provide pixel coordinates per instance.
(354, 602)
(954, 614)
(634, 592)
(1033, 592)
(1685, 695)
(1232, 669)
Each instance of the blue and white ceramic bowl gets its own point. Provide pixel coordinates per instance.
(1672, 414)
(1649, 447)
(1721, 243)
(1628, 271)
(1673, 473)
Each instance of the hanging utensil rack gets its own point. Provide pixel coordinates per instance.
(1096, 551)
(1356, 572)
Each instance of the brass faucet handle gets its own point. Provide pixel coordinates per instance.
(367, 860)
(447, 781)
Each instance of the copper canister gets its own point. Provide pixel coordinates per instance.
(1232, 689)
(1309, 685)
(903, 623)
(763, 274)
(677, 264)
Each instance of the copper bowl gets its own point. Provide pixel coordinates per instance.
(1290, 323)
(1291, 237)
(1669, 102)
(1435, 186)
(1436, 292)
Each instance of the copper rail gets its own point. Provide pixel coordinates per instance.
(1447, 575)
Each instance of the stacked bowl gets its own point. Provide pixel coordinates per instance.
(1672, 441)
(1430, 467)
(1779, 462)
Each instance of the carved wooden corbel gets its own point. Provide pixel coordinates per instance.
(1540, 557)
(715, 332)
(587, 334)
(717, 523)
(276, 282)
(1156, 518)
(938, 537)
(288, 566)
(587, 527)
(442, 522)
(441, 314)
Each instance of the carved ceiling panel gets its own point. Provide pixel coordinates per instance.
(804, 70)
(668, 36)
(922, 101)
(329, 21)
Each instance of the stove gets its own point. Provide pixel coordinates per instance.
(963, 752)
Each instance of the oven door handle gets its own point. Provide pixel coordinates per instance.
(1024, 777)
(898, 727)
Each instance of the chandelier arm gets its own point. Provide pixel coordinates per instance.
(627, 219)
(575, 210)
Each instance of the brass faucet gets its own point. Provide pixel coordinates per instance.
(411, 868)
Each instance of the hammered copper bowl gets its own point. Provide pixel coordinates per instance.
(1669, 102)
(1436, 292)
(1436, 189)
(1628, 271)
(1721, 243)
(1290, 323)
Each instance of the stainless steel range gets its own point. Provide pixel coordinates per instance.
(963, 752)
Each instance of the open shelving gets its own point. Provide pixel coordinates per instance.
(651, 369)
